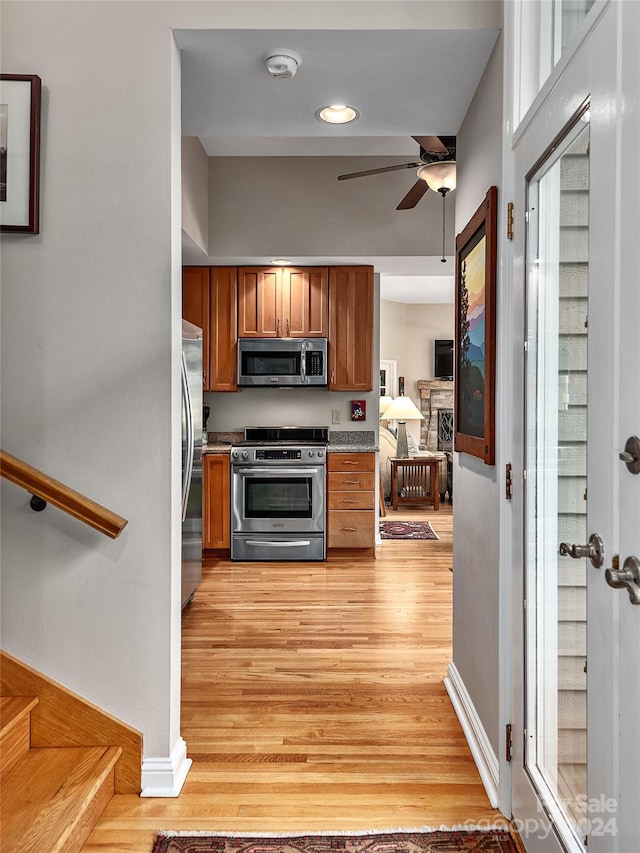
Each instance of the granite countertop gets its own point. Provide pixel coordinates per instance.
(352, 441)
(220, 442)
(340, 441)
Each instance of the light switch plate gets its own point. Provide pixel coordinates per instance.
(336, 416)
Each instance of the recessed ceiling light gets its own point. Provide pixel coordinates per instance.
(337, 114)
(281, 262)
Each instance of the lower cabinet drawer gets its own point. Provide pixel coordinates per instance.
(351, 528)
(350, 482)
(351, 500)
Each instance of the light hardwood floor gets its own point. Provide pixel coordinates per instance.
(313, 700)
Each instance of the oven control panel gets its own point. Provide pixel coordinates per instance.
(280, 453)
(248, 455)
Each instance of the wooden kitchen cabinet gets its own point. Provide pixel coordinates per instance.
(210, 300)
(351, 513)
(305, 297)
(223, 329)
(351, 328)
(283, 302)
(195, 309)
(216, 501)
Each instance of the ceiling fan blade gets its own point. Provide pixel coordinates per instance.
(431, 143)
(413, 196)
(378, 171)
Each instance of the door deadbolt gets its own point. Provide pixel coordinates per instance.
(628, 577)
(594, 550)
(631, 454)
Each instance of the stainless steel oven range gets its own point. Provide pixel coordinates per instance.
(278, 485)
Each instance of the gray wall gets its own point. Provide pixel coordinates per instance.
(280, 206)
(476, 487)
(195, 192)
(89, 370)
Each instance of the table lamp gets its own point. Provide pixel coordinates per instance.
(403, 409)
(385, 402)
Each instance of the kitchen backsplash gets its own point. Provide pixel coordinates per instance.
(231, 412)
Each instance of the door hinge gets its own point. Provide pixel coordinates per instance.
(508, 742)
(508, 484)
(510, 221)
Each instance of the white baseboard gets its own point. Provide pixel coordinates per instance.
(164, 777)
(481, 749)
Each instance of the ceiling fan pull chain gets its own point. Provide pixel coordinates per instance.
(443, 260)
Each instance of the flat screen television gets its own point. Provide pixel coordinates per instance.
(443, 359)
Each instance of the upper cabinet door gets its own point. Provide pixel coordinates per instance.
(304, 301)
(259, 303)
(351, 328)
(195, 309)
(223, 330)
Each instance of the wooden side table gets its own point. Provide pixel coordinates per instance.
(415, 480)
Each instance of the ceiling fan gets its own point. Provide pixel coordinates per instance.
(433, 149)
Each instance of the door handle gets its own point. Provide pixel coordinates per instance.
(628, 577)
(594, 550)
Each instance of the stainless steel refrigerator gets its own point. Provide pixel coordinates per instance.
(191, 460)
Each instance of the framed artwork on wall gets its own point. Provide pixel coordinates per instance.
(358, 410)
(475, 343)
(20, 153)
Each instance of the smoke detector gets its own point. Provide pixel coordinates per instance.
(282, 63)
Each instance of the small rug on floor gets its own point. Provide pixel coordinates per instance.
(407, 530)
(434, 841)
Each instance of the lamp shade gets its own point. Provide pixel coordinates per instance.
(440, 175)
(403, 409)
(385, 402)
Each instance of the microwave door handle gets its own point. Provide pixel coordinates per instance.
(303, 363)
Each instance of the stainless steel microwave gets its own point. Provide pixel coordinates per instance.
(282, 361)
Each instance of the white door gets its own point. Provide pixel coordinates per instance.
(576, 763)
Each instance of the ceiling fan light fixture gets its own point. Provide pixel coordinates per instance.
(337, 114)
(440, 176)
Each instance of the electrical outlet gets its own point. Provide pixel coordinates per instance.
(336, 416)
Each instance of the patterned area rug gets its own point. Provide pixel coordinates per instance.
(407, 530)
(450, 841)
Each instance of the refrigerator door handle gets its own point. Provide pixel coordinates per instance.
(190, 439)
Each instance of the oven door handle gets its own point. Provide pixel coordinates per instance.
(278, 472)
(284, 543)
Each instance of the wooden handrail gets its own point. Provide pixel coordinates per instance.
(72, 502)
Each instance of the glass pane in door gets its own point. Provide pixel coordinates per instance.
(568, 15)
(556, 493)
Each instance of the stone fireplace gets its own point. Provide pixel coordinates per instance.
(436, 405)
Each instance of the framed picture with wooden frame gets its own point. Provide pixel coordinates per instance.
(20, 153)
(475, 342)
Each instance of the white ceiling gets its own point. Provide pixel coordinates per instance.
(403, 82)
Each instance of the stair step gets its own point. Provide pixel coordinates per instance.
(52, 798)
(15, 728)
